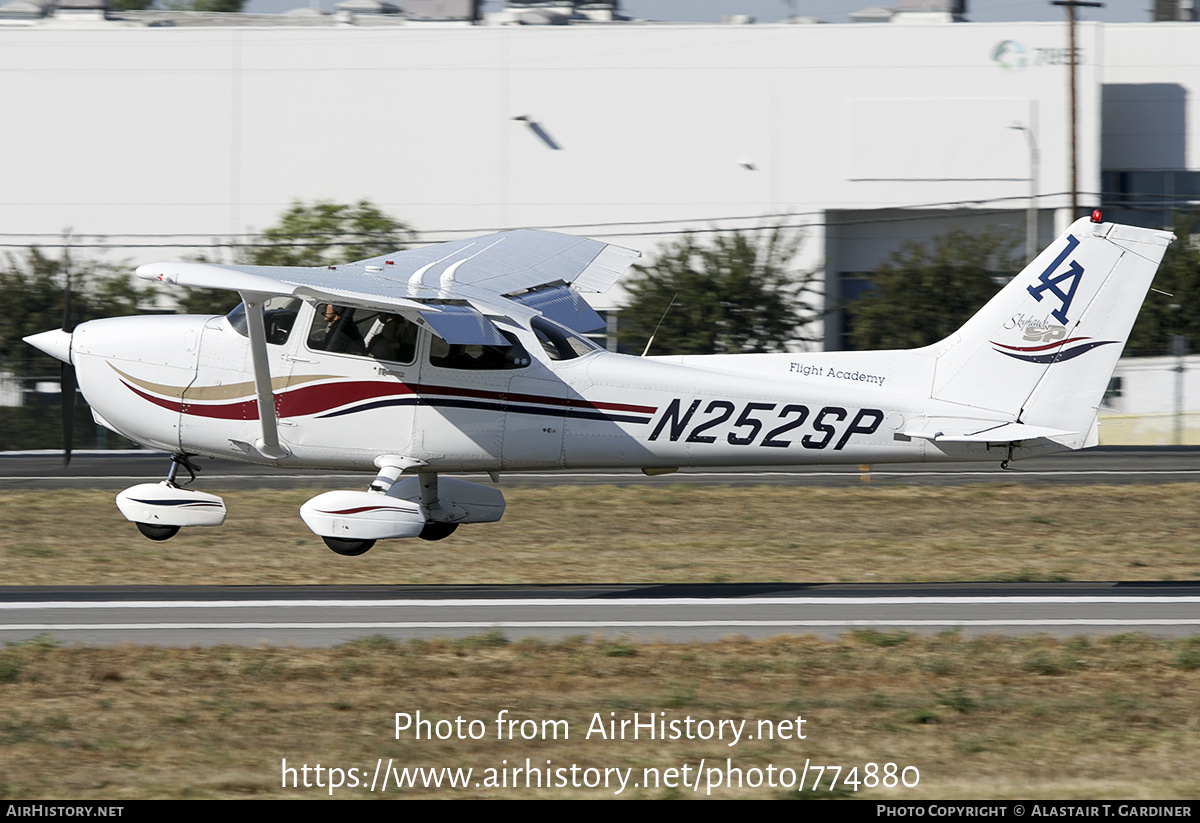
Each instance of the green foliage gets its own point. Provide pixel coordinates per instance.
(204, 5)
(32, 300)
(320, 234)
(1179, 313)
(129, 5)
(325, 234)
(40, 427)
(31, 290)
(923, 293)
(207, 301)
(737, 293)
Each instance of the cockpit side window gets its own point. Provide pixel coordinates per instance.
(364, 333)
(390, 337)
(478, 357)
(279, 315)
(560, 342)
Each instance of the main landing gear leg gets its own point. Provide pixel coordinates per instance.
(434, 529)
(1004, 463)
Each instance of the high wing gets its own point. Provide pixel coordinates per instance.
(450, 286)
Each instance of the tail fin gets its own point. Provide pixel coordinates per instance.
(1042, 350)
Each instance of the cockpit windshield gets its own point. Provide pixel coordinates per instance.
(279, 315)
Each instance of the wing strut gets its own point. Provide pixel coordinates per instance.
(268, 445)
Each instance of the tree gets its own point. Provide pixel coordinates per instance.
(204, 5)
(737, 293)
(1177, 311)
(321, 234)
(32, 289)
(325, 234)
(922, 294)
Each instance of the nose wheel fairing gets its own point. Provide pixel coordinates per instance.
(164, 504)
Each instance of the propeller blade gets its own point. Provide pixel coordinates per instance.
(67, 325)
(67, 373)
(68, 410)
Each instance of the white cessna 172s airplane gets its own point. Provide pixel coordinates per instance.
(470, 357)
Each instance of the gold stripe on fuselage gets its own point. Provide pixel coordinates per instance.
(230, 391)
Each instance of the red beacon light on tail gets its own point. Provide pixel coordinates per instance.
(1096, 216)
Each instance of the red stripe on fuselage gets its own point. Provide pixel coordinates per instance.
(243, 410)
(310, 399)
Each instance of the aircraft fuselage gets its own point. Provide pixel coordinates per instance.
(179, 383)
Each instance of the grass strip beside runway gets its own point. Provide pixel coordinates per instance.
(667, 534)
(960, 717)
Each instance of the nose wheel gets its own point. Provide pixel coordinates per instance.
(159, 510)
(346, 547)
(155, 532)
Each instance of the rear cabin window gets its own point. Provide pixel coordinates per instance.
(473, 356)
(559, 342)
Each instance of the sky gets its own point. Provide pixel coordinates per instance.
(831, 11)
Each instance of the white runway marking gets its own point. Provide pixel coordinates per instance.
(607, 602)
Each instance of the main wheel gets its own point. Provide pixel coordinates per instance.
(437, 531)
(157, 532)
(348, 548)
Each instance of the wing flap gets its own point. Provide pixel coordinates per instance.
(606, 268)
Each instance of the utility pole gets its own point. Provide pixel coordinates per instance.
(1070, 6)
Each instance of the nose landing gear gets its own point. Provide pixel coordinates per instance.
(160, 510)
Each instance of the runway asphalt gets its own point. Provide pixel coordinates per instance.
(328, 615)
(1121, 465)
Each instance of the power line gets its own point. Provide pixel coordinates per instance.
(613, 228)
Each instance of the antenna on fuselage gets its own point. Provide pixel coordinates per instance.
(659, 326)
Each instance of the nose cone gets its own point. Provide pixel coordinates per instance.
(56, 343)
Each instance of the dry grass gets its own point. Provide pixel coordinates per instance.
(1007, 718)
(671, 533)
(979, 718)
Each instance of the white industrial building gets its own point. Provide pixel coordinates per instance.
(157, 134)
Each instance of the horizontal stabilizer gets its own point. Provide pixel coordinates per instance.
(1002, 433)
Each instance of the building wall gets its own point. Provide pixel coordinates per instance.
(632, 132)
(1150, 143)
(1153, 401)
